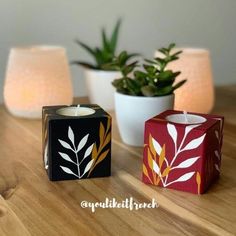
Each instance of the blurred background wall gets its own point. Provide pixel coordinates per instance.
(147, 25)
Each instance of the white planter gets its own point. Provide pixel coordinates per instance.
(133, 111)
(99, 87)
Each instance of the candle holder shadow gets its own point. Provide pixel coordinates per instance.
(182, 156)
(76, 147)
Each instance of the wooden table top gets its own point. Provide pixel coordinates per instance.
(32, 205)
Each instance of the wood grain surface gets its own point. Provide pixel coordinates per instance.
(32, 205)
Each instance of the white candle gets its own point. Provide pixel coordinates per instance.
(75, 111)
(185, 118)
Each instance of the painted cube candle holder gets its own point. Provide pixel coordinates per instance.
(182, 154)
(76, 146)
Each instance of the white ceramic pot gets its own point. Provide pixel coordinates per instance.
(99, 87)
(133, 111)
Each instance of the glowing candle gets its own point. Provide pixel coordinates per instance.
(36, 76)
(197, 95)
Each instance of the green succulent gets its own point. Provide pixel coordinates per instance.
(102, 55)
(154, 80)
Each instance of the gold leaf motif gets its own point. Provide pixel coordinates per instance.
(158, 180)
(166, 171)
(94, 152)
(150, 160)
(145, 172)
(102, 156)
(162, 156)
(98, 153)
(101, 132)
(108, 124)
(107, 140)
(150, 164)
(198, 180)
(151, 146)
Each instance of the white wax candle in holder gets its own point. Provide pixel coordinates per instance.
(185, 118)
(75, 111)
(189, 147)
(76, 141)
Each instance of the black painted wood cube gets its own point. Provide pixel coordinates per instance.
(76, 147)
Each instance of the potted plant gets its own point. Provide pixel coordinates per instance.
(98, 76)
(144, 94)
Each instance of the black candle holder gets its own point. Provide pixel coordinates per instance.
(76, 147)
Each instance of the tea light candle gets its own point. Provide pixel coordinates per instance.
(76, 111)
(182, 151)
(186, 118)
(76, 142)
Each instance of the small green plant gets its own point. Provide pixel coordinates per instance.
(154, 80)
(103, 55)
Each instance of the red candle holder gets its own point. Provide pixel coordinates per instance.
(182, 154)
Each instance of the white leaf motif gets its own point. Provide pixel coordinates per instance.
(194, 143)
(182, 178)
(68, 171)
(88, 151)
(88, 166)
(186, 163)
(82, 142)
(71, 135)
(46, 157)
(65, 144)
(189, 128)
(217, 154)
(217, 167)
(156, 146)
(156, 168)
(66, 157)
(172, 132)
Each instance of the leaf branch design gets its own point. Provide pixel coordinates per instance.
(191, 145)
(71, 146)
(219, 136)
(99, 152)
(156, 157)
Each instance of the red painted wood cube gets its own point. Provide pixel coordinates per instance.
(182, 152)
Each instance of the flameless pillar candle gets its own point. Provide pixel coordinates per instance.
(37, 76)
(197, 94)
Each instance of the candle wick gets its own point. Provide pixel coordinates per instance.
(77, 110)
(185, 116)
